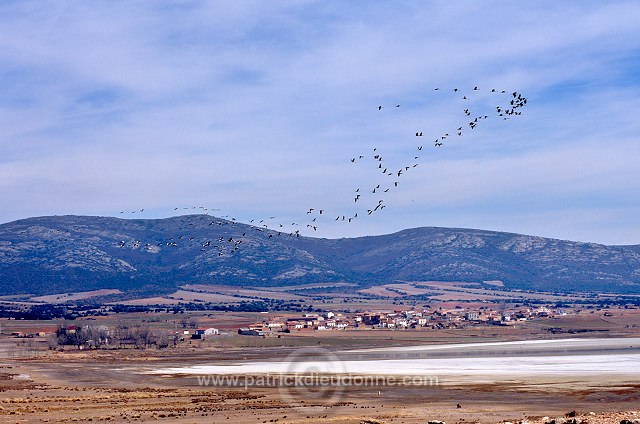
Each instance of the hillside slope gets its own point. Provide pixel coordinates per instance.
(73, 253)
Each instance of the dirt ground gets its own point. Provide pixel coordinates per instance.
(111, 386)
(38, 385)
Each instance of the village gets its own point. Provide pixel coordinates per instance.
(436, 319)
(267, 324)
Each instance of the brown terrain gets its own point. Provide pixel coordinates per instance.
(40, 385)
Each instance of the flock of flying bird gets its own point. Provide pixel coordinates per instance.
(366, 200)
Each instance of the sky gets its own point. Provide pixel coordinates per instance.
(254, 110)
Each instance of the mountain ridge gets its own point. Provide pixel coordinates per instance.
(52, 254)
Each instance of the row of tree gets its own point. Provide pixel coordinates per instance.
(102, 337)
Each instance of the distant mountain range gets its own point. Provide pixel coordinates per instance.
(59, 254)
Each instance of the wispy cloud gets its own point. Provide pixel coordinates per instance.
(258, 107)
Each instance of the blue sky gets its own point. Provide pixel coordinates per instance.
(255, 110)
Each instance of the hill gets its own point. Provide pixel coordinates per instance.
(77, 253)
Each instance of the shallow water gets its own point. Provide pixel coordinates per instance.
(541, 358)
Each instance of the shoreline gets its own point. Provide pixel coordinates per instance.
(494, 361)
(89, 386)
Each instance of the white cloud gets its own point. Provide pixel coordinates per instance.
(259, 107)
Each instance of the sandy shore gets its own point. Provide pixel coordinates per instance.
(579, 359)
(490, 382)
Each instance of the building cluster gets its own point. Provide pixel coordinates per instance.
(432, 319)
